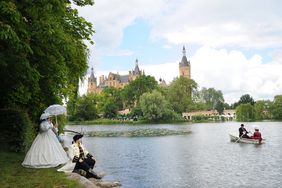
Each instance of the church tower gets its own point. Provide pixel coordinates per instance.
(184, 66)
(92, 83)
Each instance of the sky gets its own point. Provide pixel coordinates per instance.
(233, 46)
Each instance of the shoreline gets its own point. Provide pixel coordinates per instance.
(138, 122)
(13, 174)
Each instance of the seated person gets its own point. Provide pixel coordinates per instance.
(257, 135)
(82, 158)
(243, 133)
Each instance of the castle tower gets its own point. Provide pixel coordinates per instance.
(136, 72)
(184, 66)
(92, 83)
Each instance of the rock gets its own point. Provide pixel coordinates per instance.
(105, 184)
(92, 182)
(82, 180)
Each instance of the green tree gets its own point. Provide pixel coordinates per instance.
(262, 109)
(180, 94)
(245, 112)
(155, 107)
(219, 107)
(115, 94)
(86, 107)
(132, 92)
(42, 53)
(213, 99)
(110, 102)
(109, 108)
(244, 99)
(276, 108)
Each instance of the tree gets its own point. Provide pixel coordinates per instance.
(219, 107)
(86, 107)
(115, 94)
(155, 107)
(245, 112)
(276, 108)
(213, 99)
(42, 53)
(262, 109)
(180, 94)
(244, 99)
(109, 108)
(132, 92)
(110, 102)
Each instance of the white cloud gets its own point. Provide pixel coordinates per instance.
(218, 24)
(110, 18)
(228, 71)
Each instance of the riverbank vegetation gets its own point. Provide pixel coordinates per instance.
(13, 174)
(249, 110)
(150, 103)
(146, 100)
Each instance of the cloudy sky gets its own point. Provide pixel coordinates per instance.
(233, 46)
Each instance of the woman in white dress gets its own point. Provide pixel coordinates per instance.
(45, 151)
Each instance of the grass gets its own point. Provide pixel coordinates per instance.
(13, 174)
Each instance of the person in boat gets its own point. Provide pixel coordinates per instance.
(82, 158)
(257, 135)
(243, 133)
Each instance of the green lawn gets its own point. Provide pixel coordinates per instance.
(12, 174)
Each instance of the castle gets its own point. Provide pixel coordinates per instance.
(119, 81)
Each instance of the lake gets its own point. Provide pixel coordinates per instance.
(203, 158)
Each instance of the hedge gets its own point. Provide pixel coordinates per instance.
(16, 130)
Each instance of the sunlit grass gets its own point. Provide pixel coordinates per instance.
(13, 174)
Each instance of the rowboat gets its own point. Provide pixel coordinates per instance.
(244, 140)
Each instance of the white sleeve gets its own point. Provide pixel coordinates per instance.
(71, 152)
(45, 126)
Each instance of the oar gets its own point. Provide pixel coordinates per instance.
(67, 130)
(239, 138)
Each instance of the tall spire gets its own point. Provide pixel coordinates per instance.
(136, 70)
(92, 77)
(184, 61)
(184, 51)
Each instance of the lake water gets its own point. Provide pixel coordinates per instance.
(203, 158)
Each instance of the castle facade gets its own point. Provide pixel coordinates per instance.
(119, 81)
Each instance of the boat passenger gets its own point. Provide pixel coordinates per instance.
(243, 133)
(257, 135)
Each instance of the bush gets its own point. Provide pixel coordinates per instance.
(16, 130)
(245, 112)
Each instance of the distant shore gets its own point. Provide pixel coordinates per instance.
(104, 121)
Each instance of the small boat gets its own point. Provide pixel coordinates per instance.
(244, 140)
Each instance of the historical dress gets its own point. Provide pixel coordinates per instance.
(46, 151)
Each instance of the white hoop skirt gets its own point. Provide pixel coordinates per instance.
(45, 151)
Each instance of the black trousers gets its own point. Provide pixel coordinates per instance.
(85, 165)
